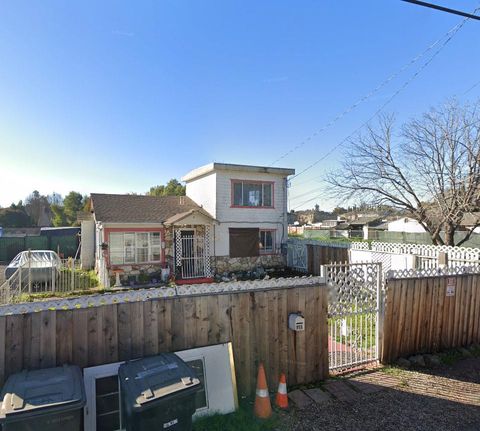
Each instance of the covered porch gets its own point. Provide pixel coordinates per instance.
(190, 236)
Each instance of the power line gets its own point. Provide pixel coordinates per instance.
(451, 33)
(367, 96)
(471, 88)
(443, 9)
(477, 123)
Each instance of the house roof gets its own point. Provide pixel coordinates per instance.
(177, 218)
(110, 208)
(211, 167)
(366, 220)
(470, 219)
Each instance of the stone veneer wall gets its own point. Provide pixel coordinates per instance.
(137, 271)
(222, 264)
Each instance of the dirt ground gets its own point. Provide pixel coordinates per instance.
(442, 399)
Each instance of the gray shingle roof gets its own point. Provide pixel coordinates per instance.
(110, 208)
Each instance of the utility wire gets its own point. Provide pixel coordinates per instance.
(368, 95)
(443, 9)
(451, 33)
(476, 123)
(471, 88)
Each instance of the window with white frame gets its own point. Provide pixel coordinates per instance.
(267, 241)
(252, 194)
(134, 247)
(212, 365)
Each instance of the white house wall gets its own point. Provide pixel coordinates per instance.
(87, 250)
(263, 218)
(406, 225)
(202, 192)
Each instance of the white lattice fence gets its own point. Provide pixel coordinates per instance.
(427, 256)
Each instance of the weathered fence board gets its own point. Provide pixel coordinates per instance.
(319, 255)
(420, 317)
(254, 321)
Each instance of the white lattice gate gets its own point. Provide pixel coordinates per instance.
(354, 314)
(192, 254)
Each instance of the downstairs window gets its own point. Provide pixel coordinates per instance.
(134, 247)
(267, 241)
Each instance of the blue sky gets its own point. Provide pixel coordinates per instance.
(118, 96)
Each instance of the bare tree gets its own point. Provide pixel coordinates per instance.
(431, 169)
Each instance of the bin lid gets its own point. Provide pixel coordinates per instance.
(28, 392)
(149, 379)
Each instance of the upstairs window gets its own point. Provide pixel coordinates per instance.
(252, 194)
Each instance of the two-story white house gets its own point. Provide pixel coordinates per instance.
(250, 206)
(233, 217)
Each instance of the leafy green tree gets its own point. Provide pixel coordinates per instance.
(339, 210)
(38, 208)
(173, 188)
(72, 204)
(15, 217)
(59, 217)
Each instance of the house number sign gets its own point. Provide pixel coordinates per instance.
(451, 282)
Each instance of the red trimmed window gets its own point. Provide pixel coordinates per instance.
(252, 194)
(135, 247)
(267, 241)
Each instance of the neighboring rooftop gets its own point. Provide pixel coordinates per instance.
(470, 219)
(110, 208)
(366, 220)
(203, 170)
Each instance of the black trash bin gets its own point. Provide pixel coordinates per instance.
(43, 400)
(158, 393)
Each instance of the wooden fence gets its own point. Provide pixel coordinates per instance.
(319, 255)
(254, 321)
(430, 314)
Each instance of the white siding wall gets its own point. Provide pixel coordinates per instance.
(202, 192)
(405, 224)
(87, 251)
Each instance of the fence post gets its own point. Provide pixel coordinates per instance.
(29, 272)
(415, 262)
(72, 264)
(442, 259)
(379, 320)
(20, 278)
(54, 276)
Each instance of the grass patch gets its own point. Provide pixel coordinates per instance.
(241, 420)
(360, 329)
(33, 297)
(450, 357)
(393, 371)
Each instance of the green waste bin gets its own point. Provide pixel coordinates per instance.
(51, 399)
(158, 393)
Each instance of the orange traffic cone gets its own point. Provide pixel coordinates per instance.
(281, 400)
(263, 408)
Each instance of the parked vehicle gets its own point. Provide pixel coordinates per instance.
(40, 265)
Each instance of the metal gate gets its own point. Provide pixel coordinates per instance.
(297, 256)
(192, 256)
(354, 314)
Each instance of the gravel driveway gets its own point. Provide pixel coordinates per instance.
(443, 399)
